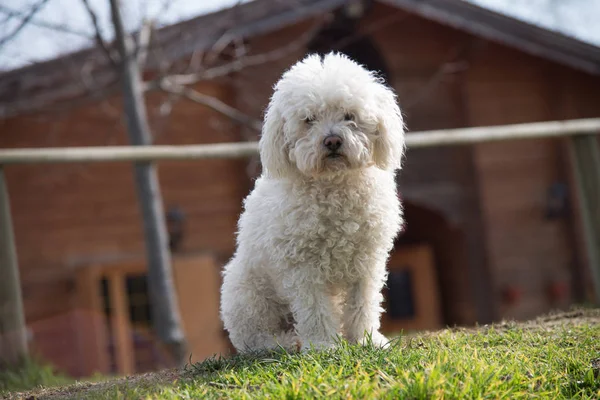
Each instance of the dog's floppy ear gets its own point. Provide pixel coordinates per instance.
(272, 145)
(389, 145)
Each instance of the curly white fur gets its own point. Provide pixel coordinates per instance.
(317, 229)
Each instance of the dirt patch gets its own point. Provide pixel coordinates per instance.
(548, 321)
(575, 317)
(84, 389)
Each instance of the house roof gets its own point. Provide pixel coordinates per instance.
(75, 74)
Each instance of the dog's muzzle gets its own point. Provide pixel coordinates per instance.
(333, 143)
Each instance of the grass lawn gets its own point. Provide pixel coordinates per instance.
(554, 357)
(30, 375)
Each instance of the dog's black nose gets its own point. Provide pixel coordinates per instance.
(332, 142)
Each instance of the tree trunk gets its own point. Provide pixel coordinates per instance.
(165, 309)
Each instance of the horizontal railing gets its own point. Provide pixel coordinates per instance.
(421, 139)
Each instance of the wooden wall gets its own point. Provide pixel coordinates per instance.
(527, 251)
(430, 77)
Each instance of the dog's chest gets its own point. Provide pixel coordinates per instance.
(340, 214)
(336, 230)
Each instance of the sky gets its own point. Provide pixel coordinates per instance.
(577, 18)
(36, 43)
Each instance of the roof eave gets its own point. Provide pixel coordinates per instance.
(509, 31)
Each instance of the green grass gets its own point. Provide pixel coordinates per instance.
(489, 364)
(553, 359)
(29, 375)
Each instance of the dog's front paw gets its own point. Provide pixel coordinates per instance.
(375, 339)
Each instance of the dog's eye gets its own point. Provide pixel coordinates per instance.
(309, 120)
(348, 117)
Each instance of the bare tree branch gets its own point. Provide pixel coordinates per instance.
(432, 83)
(454, 63)
(37, 7)
(143, 43)
(208, 101)
(247, 61)
(195, 63)
(226, 38)
(98, 34)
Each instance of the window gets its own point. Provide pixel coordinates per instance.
(146, 352)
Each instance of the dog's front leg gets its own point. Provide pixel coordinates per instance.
(362, 312)
(317, 322)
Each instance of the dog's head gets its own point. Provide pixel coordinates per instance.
(328, 116)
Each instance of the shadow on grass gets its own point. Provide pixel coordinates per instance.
(281, 357)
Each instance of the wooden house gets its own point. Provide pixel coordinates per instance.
(490, 230)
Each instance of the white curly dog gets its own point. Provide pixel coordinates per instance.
(317, 229)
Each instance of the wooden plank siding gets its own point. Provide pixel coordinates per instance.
(526, 250)
(429, 75)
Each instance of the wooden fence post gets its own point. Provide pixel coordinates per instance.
(13, 334)
(585, 155)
